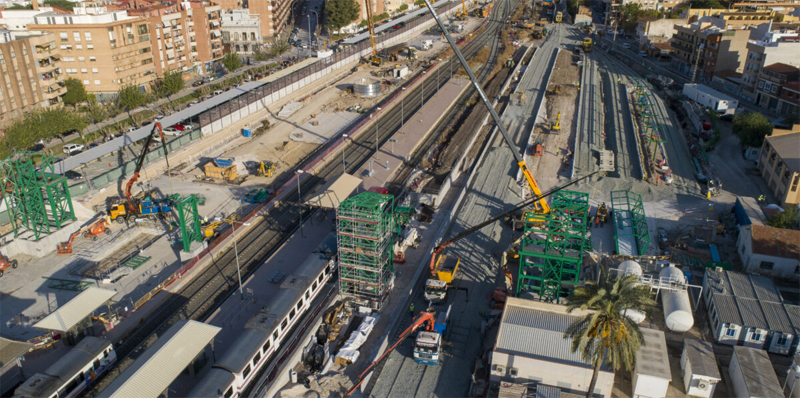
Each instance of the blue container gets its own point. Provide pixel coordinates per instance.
(247, 133)
(224, 162)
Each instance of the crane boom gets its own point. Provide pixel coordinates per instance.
(423, 318)
(543, 206)
(371, 27)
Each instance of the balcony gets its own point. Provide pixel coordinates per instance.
(53, 91)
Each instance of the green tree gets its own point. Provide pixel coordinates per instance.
(606, 335)
(278, 48)
(42, 124)
(260, 55)
(20, 7)
(231, 62)
(95, 112)
(130, 97)
(787, 219)
(751, 128)
(60, 3)
(705, 4)
(171, 83)
(341, 13)
(76, 92)
(402, 7)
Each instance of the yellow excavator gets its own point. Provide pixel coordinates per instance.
(209, 230)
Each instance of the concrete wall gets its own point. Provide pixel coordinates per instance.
(737, 378)
(649, 386)
(567, 377)
(782, 267)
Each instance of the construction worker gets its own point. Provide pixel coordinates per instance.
(557, 150)
(411, 310)
(762, 198)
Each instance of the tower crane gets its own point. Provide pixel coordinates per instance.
(375, 59)
(425, 318)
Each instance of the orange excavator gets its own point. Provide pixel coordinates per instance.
(92, 231)
(425, 318)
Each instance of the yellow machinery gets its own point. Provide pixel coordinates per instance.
(462, 15)
(374, 59)
(265, 169)
(557, 124)
(559, 15)
(446, 267)
(587, 44)
(209, 230)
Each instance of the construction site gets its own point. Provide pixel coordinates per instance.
(372, 230)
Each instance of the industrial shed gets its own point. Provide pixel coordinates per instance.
(770, 251)
(652, 375)
(748, 310)
(531, 349)
(699, 368)
(752, 374)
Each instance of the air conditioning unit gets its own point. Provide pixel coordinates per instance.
(514, 372)
(703, 385)
(500, 370)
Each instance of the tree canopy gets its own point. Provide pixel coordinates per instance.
(171, 83)
(705, 4)
(606, 335)
(787, 219)
(60, 3)
(231, 62)
(340, 13)
(131, 97)
(76, 92)
(41, 124)
(751, 128)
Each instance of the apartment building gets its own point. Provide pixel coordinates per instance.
(777, 88)
(241, 31)
(779, 164)
(649, 28)
(775, 47)
(274, 15)
(104, 49)
(708, 49)
(184, 37)
(31, 73)
(732, 19)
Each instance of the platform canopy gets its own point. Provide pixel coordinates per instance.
(76, 310)
(10, 350)
(334, 192)
(161, 364)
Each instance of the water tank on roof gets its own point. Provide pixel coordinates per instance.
(677, 307)
(630, 267)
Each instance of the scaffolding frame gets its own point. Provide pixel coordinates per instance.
(650, 122)
(37, 201)
(189, 221)
(628, 211)
(364, 234)
(551, 252)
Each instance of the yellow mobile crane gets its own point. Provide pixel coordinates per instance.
(462, 15)
(374, 59)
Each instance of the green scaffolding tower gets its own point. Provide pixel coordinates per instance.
(189, 221)
(365, 248)
(551, 252)
(37, 200)
(631, 235)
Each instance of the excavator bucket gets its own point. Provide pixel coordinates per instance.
(63, 249)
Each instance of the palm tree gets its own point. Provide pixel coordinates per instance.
(605, 334)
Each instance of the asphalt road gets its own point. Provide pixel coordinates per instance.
(494, 189)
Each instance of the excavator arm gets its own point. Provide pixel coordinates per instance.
(425, 318)
(139, 163)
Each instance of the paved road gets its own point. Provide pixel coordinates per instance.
(494, 188)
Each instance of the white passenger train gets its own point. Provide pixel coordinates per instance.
(232, 374)
(72, 373)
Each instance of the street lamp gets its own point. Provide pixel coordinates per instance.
(235, 248)
(402, 112)
(316, 22)
(302, 233)
(376, 134)
(344, 148)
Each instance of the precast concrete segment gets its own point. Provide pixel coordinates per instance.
(493, 189)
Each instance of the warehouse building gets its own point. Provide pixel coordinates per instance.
(770, 251)
(699, 368)
(748, 310)
(752, 375)
(531, 349)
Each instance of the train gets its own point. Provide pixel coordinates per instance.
(263, 334)
(69, 376)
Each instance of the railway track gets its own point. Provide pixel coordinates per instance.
(590, 134)
(207, 290)
(621, 139)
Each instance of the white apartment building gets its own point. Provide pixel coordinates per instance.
(241, 31)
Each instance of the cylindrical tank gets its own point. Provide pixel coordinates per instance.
(671, 274)
(635, 315)
(677, 307)
(630, 267)
(677, 310)
(367, 87)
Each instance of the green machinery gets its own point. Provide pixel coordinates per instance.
(37, 199)
(631, 236)
(365, 226)
(652, 126)
(551, 252)
(189, 221)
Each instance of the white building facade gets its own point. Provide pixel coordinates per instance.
(770, 251)
(241, 31)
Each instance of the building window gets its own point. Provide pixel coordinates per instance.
(90, 46)
(85, 82)
(756, 336)
(730, 332)
(81, 59)
(766, 265)
(92, 59)
(88, 36)
(782, 340)
(76, 36)
(84, 70)
(774, 89)
(63, 36)
(97, 82)
(79, 47)
(95, 70)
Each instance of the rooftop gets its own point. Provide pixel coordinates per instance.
(782, 68)
(711, 92)
(758, 373)
(536, 330)
(748, 300)
(701, 355)
(76, 310)
(786, 145)
(10, 350)
(652, 358)
(777, 242)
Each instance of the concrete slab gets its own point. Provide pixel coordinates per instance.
(321, 128)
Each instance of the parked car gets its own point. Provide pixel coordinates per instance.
(73, 175)
(193, 103)
(177, 127)
(72, 149)
(643, 54)
(172, 131)
(197, 83)
(188, 128)
(218, 92)
(92, 145)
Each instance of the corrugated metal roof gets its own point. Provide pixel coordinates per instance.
(158, 367)
(794, 315)
(750, 300)
(701, 355)
(752, 314)
(765, 288)
(727, 309)
(776, 316)
(10, 350)
(757, 373)
(545, 391)
(652, 358)
(740, 285)
(74, 311)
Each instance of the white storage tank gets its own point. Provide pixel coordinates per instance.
(626, 268)
(677, 307)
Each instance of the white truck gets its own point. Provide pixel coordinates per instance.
(435, 290)
(709, 98)
(426, 45)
